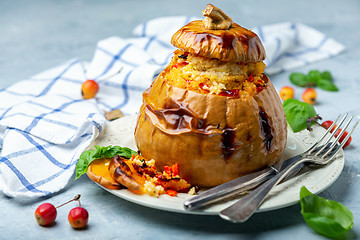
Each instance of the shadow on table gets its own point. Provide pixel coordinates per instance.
(258, 223)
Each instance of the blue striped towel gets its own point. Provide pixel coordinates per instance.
(45, 124)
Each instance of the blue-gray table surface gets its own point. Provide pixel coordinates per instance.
(37, 35)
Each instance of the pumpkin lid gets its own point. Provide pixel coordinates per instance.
(218, 37)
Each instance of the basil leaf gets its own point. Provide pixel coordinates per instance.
(297, 112)
(326, 217)
(299, 79)
(327, 85)
(326, 75)
(314, 77)
(83, 163)
(122, 151)
(100, 152)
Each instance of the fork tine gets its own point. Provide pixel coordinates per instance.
(333, 154)
(318, 151)
(339, 125)
(336, 142)
(316, 145)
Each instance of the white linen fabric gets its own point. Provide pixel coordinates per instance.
(45, 124)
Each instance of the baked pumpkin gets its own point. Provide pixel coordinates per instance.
(213, 111)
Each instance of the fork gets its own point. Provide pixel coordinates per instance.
(244, 208)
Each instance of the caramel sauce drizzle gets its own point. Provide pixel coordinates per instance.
(266, 130)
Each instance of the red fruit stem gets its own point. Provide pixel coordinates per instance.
(311, 120)
(76, 198)
(79, 202)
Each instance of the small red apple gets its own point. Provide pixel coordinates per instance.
(45, 214)
(78, 217)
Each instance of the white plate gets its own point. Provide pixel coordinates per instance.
(121, 132)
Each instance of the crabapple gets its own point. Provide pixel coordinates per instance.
(45, 214)
(89, 88)
(309, 96)
(286, 93)
(78, 217)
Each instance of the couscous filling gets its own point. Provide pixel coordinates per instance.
(204, 75)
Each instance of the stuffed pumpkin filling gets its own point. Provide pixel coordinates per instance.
(209, 75)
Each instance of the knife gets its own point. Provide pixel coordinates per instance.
(236, 186)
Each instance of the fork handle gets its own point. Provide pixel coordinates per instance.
(244, 208)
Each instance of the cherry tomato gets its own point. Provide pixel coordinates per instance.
(327, 124)
(343, 137)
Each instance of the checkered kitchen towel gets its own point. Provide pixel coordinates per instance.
(45, 124)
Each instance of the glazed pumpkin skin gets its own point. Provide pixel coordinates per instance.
(213, 137)
(236, 44)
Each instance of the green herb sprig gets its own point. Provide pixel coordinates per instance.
(326, 217)
(297, 113)
(100, 152)
(323, 80)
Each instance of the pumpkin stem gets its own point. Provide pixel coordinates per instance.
(216, 19)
